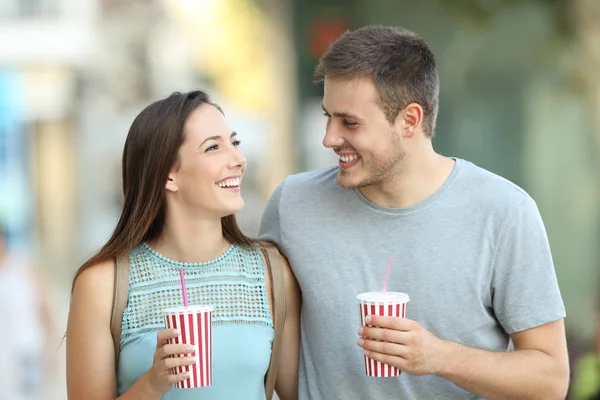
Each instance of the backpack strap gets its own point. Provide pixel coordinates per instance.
(119, 300)
(274, 266)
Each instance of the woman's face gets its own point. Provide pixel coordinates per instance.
(206, 179)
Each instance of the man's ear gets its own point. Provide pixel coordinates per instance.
(409, 120)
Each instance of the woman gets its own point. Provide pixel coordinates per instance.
(182, 171)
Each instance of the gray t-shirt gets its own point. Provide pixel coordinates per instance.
(473, 257)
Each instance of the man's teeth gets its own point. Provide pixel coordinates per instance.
(349, 158)
(230, 183)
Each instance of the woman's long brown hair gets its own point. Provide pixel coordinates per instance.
(150, 153)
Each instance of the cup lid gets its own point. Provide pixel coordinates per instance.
(186, 310)
(384, 297)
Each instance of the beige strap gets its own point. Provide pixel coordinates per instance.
(275, 269)
(119, 300)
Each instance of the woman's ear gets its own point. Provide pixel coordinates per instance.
(171, 184)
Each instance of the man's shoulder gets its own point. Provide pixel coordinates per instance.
(491, 189)
(322, 179)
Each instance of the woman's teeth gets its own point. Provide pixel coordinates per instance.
(229, 183)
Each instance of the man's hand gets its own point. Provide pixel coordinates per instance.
(401, 343)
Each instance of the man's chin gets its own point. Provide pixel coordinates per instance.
(347, 182)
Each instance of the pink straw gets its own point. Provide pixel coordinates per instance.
(388, 271)
(183, 291)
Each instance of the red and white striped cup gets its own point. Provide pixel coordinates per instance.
(195, 325)
(390, 304)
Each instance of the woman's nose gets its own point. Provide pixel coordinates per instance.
(238, 160)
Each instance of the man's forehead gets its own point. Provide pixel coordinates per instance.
(356, 90)
(349, 99)
(361, 83)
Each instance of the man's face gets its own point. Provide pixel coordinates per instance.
(369, 147)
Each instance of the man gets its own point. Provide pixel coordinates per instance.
(469, 247)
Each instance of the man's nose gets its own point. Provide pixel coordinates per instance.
(332, 137)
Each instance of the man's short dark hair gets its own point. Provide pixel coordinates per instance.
(400, 64)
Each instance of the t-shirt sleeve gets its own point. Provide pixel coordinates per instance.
(525, 290)
(270, 224)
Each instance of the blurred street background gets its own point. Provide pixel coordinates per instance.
(520, 96)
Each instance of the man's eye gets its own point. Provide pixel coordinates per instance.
(350, 124)
(326, 114)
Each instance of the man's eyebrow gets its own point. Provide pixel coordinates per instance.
(217, 137)
(342, 114)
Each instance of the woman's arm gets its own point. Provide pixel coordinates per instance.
(91, 373)
(286, 384)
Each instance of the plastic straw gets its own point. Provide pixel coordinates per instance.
(388, 271)
(183, 291)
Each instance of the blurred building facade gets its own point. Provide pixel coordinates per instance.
(43, 45)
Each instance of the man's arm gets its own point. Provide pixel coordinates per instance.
(537, 369)
(270, 224)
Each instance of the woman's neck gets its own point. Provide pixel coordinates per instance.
(191, 240)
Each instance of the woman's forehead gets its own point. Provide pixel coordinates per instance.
(206, 121)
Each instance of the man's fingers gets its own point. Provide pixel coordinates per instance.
(388, 335)
(392, 349)
(395, 323)
(394, 361)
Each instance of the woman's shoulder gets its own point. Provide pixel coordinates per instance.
(94, 286)
(97, 274)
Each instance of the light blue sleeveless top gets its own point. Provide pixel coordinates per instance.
(243, 332)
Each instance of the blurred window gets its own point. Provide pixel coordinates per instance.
(28, 9)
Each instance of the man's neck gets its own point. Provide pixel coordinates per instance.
(416, 179)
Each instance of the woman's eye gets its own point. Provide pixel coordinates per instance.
(214, 147)
(236, 143)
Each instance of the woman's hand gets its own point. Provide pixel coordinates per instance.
(161, 376)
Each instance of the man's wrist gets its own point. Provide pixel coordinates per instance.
(445, 357)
